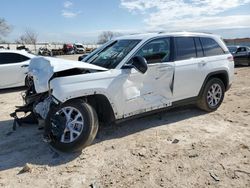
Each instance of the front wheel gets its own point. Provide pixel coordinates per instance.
(212, 95)
(73, 125)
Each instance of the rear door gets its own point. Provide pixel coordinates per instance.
(189, 67)
(13, 69)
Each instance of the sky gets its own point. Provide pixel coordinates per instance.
(84, 20)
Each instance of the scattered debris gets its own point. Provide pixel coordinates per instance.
(222, 166)
(193, 155)
(141, 154)
(240, 171)
(243, 146)
(26, 168)
(214, 176)
(94, 185)
(175, 141)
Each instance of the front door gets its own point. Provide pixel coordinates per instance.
(154, 89)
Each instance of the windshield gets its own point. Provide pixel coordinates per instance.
(112, 54)
(232, 49)
(79, 46)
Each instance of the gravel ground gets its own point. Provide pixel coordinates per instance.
(184, 147)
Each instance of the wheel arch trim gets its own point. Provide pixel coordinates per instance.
(216, 74)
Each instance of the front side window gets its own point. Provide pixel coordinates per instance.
(211, 47)
(185, 48)
(6, 58)
(156, 51)
(113, 54)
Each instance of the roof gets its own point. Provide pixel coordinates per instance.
(151, 35)
(22, 52)
(78, 44)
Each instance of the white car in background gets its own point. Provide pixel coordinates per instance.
(79, 48)
(13, 68)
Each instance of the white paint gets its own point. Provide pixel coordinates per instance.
(42, 69)
(13, 74)
(129, 91)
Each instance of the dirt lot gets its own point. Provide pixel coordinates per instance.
(184, 147)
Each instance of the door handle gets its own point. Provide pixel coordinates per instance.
(23, 66)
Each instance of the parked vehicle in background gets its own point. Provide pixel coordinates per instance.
(241, 54)
(13, 68)
(127, 77)
(23, 48)
(43, 51)
(68, 49)
(79, 48)
(89, 49)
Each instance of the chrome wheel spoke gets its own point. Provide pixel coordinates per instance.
(214, 95)
(63, 137)
(71, 136)
(73, 125)
(76, 132)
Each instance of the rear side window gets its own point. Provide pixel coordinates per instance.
(185, 48)
(211, 47)
(6, 58)
(156, 51)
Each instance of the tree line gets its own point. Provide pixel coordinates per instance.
(30, 36)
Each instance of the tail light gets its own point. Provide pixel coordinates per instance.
(230, 58)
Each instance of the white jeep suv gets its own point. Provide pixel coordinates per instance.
(127, 77)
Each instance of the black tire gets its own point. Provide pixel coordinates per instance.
(28, 81)
(89, 130)
(203, 102)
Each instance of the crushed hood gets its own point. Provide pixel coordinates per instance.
(43, 68)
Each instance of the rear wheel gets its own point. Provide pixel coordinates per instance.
(73, 125)
(212, 95)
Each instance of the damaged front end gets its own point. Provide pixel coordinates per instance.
(36, 108)
(37, 98)
(39, 102)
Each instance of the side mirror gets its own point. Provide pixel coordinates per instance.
(140, 64)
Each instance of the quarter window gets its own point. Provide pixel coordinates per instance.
(211, 47)
(185, 48)
(6, 58)
(156, 51)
